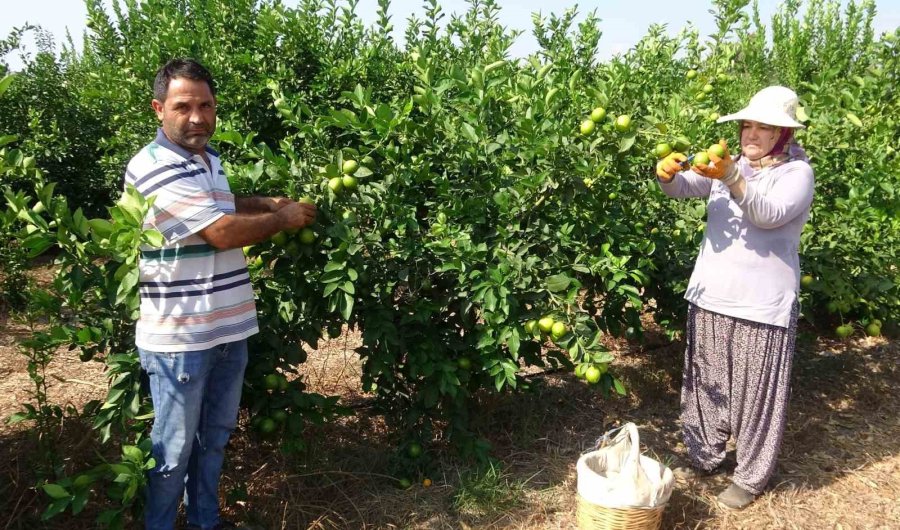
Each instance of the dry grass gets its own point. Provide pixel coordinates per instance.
(839, 467)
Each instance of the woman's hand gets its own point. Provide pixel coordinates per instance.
(721, 164)
(668, 166)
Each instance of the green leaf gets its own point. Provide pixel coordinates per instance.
(101, 228)
(854, 119)
(56, 491)
(626, 143)
(5, 82)
(469, 132)
(558, 283)
(153, 238)
(55, 508)
(619, 386)
(132, 453)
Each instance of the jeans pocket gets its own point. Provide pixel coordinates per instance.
(148, 361)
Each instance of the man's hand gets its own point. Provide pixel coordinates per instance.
(278, 203)
(668, 166)
(296, 214)
(721, 164)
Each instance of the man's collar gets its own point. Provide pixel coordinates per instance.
(163, 140)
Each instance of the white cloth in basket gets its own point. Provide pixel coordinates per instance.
(617, 476)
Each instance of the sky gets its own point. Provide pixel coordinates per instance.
(623, 22)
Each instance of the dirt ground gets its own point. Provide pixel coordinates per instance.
(839, 466)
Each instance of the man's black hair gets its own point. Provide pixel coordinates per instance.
(180, 68)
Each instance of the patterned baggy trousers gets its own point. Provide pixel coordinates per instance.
(736, 383)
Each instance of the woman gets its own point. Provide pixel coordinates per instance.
(742, 316)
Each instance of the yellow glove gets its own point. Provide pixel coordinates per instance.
(721, 165)
(668, 166)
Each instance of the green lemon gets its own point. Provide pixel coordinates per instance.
(663, 150)
(587, 127)
(349, 182)
(717, 149)
(873, 330)
(558, 330)
(598, 114)
(545, 324)
(307, 236)
(349, 167)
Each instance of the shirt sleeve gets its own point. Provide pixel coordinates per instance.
(686, 184)
(184, 203)
(790, 195)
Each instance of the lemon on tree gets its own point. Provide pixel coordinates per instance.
(663, 150)
(307, 236)
(336, 184)
(598, 114)
(717, 149)
(464, 363)
(587, 127)
(530, 325)
(691, 74)
(806, 281)
(271, 382)
(349, 167)
(558, 330)
(267, 425)
(414, 450)
(873, 329)
(349, 182)
(844, 330)
(623, 123)
(280, 239)
(545, 324)
(592, 374)
(682, 144)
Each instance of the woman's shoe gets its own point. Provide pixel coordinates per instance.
(735, 497)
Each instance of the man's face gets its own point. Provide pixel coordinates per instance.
(188, 114)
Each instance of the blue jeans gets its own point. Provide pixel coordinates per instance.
(196, 395)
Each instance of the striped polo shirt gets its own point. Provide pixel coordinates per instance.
(193, 296)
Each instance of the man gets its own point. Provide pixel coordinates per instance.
(197, 306)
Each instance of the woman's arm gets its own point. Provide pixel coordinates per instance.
(686, 184)
(789, 196)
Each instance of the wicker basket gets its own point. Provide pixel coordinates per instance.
(620, 489)
(595, 517)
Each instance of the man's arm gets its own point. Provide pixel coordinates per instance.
(257, 205)
(239, 230)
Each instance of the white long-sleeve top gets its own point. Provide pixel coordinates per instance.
(749, 266)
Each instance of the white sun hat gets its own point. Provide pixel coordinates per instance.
(774, 105)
